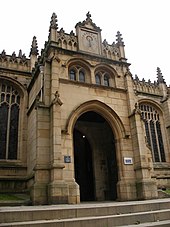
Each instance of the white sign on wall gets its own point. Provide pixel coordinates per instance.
(128, 161)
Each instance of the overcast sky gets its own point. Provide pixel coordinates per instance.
(144, 25)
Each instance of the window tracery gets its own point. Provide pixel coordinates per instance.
(98, 79)
(9, 120)
(77, 73)
(81, 76)
(72, 74)
(102, 78)
(106, 80)
(153, 131)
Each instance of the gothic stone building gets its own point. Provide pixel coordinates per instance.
(75, 125)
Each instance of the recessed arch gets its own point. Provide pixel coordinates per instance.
(79, 61)
(104, 70)
(107, 68)
(102, 109)
(20, 87)
(151, 115)
(12, 95)
(95, 157)
(153, 103)
(81, 67)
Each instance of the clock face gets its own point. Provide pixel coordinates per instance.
(90, 42)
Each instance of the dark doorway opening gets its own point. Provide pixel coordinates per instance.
(83, 166)
(95, 158)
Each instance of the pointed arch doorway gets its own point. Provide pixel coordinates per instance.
(95, 164)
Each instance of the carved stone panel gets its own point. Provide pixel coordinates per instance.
(89, 41)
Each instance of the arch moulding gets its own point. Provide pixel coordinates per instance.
(105, 111)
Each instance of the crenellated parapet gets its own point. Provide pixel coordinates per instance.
(14, 62)
(146, 87)
(67, 41)
(110, 51)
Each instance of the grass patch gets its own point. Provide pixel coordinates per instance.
(167, 191)
(9, 197)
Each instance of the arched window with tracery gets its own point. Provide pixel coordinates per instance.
(153, 131)
(9, 120)
(78, 73)
(81, 76)
(104, 77)
(106, 80)
(72, 74)
(98, 79)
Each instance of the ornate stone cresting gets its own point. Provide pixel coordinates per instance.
(34, 47)
(146, 87)
(110, 51)
(14, 62)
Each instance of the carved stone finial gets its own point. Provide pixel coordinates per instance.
(155, 83)
(88, 15)
(23, 58)
(61, 30)
(53, 22)
(20, 54)
(13, 57)
(136, 78)
(149, 82)
(72, 33)
(3, 54)
(143, 81)
(160, 77)
(34, 47)
(119, 39)
(88, 22)
(105, 43)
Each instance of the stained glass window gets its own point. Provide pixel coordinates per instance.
(9, 120)
(153, 131)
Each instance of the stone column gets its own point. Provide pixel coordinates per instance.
(57, 188)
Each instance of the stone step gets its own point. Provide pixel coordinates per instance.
(31, 213)
(133, 219)
(121, 213)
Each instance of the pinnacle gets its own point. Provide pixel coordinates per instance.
(53, 22)
(160, 76)
(34, 47)
(119, 39)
